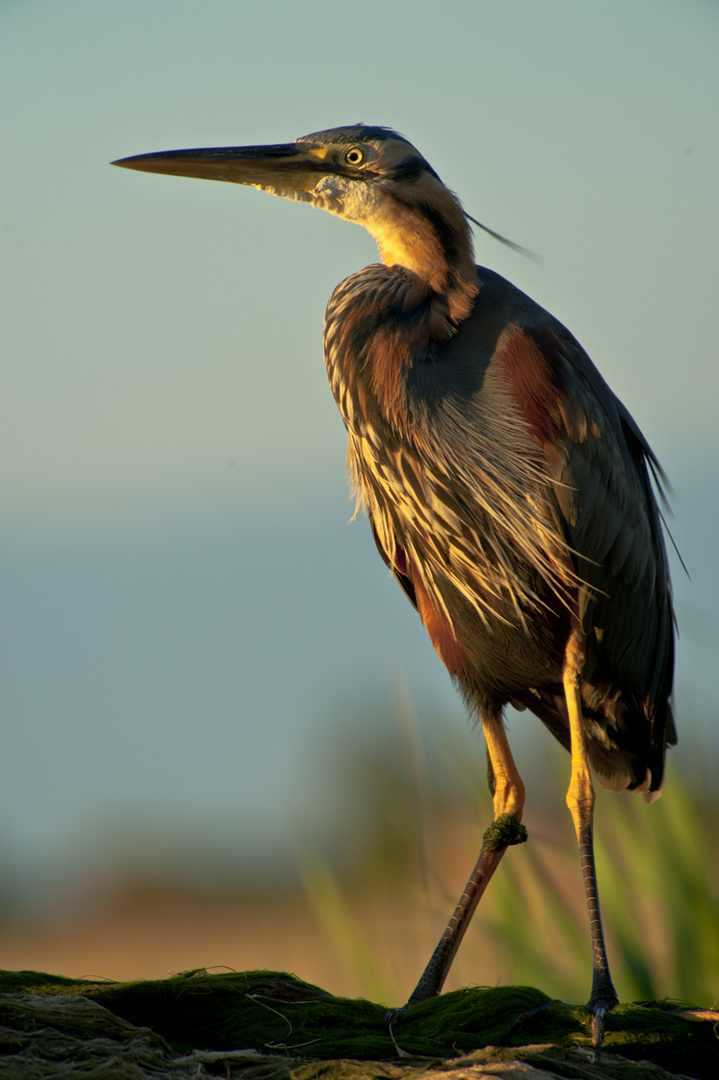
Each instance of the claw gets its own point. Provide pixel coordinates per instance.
(601, 1008)
(524, 1017)
(390, 1018)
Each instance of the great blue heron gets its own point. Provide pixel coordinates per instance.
(509, 491)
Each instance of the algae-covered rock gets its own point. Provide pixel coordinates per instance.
(270, 1024)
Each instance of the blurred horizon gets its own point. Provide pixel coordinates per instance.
(204, 787)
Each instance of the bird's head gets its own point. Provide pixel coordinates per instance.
(368, 175)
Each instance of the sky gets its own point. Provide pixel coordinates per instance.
(191, 623)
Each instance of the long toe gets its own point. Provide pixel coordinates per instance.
(392, 1016)
(601, 1008)
(525, 1018)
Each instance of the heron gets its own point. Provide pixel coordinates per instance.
(508, 490)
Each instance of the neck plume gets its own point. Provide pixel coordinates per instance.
(430, 237)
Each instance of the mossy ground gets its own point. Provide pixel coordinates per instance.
(279, 1017)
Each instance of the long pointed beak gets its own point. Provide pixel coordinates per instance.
(290, 165)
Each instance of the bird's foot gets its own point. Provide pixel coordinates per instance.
(524, 1018)
(390, 1019)
(426, 988)
(603, 999)
(420, 993)
(600, 1010)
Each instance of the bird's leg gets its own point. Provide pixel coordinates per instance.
(506, 829)
(580, 800)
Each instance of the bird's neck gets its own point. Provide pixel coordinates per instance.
(434, 242)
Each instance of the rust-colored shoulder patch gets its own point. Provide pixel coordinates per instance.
(531, 362)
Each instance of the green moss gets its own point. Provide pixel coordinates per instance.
(503, 832)
(277, 1013)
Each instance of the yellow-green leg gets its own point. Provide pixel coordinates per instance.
(580, 800)
(506, 829)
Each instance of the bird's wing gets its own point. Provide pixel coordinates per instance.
(601, 471)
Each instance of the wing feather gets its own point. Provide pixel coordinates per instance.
(611, 521)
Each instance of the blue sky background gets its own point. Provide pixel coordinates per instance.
(193, 630)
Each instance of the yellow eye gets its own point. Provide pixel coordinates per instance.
(354, 156)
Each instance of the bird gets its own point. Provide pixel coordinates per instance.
(509, 491)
